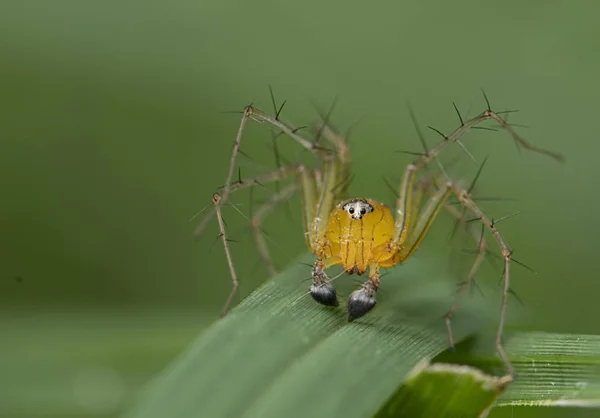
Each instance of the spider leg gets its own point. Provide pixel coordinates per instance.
(425, 219)
(404, 204)
(406, 240)
(277, 175)
(280, 174)
(340, 143)
(326, 187)
(426, 186)
(422, 187)
(258, 218)
(464, 197)
(221, 197)
(482, 248)
(262, 117)
(234, 279)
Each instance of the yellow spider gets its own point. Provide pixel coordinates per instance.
(363, 234)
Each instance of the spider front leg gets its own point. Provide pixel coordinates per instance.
(221, 197)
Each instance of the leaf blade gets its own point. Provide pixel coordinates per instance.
(444, 390)
(551, 369)
(278, 353)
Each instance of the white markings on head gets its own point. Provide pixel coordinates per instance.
(356, 208)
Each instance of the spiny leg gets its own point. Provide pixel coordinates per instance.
(220, 198)
(464, 197)
(482, 249)
(426, 218)
(404, 203)
(405, 206)
(258, 218)
(262, 117)
(427, 185)
(340, 143)
(234, 279)
(307, 144)
(282, 173)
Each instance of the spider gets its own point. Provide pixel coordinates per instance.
(363, 234)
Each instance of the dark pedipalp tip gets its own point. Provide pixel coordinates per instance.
(451, 349)
(359, 303)
(324, 294)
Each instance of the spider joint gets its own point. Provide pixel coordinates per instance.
(392, 246)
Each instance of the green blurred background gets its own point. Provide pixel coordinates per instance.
(112, 138)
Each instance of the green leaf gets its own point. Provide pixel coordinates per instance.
(552, 369)
(281, 354)
(444, 390)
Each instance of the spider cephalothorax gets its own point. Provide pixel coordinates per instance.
(364, 234)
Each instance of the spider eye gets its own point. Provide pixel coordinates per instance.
(351, 210)
(363, 211)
